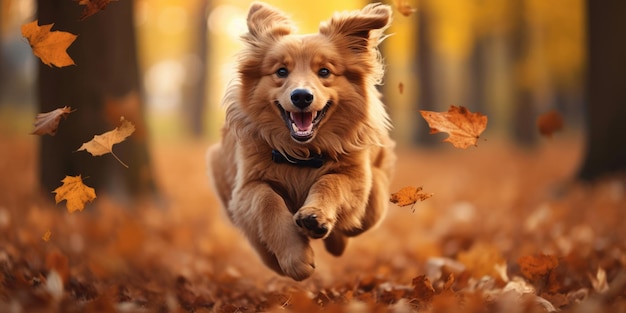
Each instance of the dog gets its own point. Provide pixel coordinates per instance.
(305, 150)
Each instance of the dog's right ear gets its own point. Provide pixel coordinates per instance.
(265, 21)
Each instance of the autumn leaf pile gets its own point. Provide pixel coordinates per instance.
(517, 237)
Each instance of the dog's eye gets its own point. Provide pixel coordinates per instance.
(323, 72)
(282, 72)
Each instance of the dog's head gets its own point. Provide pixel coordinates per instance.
(315, 91)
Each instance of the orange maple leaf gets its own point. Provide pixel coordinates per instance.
(75, 192)
(92, 7)
(463, 126)
(49, 46)
(47, 123)
(103, 144)
(409, 196)
(549, 123)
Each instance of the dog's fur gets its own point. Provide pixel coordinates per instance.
(280, 206)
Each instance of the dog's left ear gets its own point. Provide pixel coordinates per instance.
(265, 21)
(360, 29)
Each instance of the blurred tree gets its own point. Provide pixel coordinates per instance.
(195, 86)
(425, 69)
(104, 85)
(606, 95)
(523, 107)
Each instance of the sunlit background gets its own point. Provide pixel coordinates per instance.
(510, 59)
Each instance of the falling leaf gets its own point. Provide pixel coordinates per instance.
(535, 267)
(463, 126)
(103, 144)
(75, 192)
(404, 8)
(46, 236)
(47, 123)
(49, 46)
(400, 87)
(549, 123)
(409, 196)
(92, 7)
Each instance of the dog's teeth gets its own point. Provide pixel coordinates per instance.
(314, 115)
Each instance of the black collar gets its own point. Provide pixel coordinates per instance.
(316, 160)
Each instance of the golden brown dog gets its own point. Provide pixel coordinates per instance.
(306, 152)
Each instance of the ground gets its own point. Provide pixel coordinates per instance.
(508, 229)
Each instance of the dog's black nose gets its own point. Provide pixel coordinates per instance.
(301, 98)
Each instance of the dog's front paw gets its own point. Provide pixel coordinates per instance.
(313, 223)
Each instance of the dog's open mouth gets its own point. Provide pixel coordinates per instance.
(302, 125)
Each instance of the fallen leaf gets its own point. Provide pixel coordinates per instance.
(103, 144)
(409, 196)
(549, 123)
(49, 46)
(92, 7)
(535, 267)
(46, 236)
(463, 126)
(75, 192)
(599, 283)
(423, 289)
(481, 260)
(404, 8)
(47, 123)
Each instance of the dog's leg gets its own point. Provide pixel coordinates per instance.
(382, 170)
(334, 197)
(336, 243)
(376, 205)
(264, 218)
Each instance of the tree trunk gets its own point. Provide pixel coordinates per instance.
(523, 114)
(195, 86)
(606, 96)
(425, 62)
(103, 86)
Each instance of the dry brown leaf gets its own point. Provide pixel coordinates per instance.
(49, 46)
(103, 144)
(92, 7)
(404, 8)
(408, 196)
(535, 267)
(47, 123)
(549, 123)
(481, 260)
(46, 236)
(463, 126)
(599, 283)
(423, 289)
(75, 192)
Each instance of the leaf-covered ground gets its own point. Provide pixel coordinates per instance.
(505, 231)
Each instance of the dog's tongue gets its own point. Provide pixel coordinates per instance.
(303, 120)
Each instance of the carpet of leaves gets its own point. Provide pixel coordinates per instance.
(507, 230)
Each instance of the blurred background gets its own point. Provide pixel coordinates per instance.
(164, 65)
(510, 60)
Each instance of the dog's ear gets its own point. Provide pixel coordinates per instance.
(266, 21)
(360, 29)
